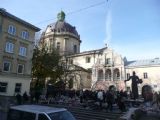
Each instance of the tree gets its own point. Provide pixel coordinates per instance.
(46, 64)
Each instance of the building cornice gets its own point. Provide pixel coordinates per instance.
(4, 13)
(145, 66)
(93, 52)
(15, 38)
(56, 34)
(5, 74)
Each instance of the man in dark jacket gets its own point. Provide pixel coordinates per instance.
(19, 98)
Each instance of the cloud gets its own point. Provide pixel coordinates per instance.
(108, 28)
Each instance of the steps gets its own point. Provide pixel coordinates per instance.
(81, 113)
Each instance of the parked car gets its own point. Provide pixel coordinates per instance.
(38, 112)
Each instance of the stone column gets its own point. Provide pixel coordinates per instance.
(104, 72)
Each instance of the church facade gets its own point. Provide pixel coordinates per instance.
(99, 68)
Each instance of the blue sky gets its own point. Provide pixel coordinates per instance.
(130, 27)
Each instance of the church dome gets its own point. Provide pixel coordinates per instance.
(61, 26)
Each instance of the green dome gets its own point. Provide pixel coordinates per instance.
(61, 16)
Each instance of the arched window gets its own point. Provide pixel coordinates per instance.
(116, 74)
(108, 74)
(100, 75)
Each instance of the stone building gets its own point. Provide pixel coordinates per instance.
(16, 49)
(107, 67)
(103, 67)
(62, 36)
(65, 38)
(147, 70)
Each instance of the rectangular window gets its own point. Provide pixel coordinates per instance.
(20, 69)
(18, 87)
(14, 114)
(22, 51)
(75, 48)
(12, 29)
(6, 66)
(88, 59)
(25, 35)
(108, 61)
(21, 115)
(58, 46)
(28, 116)
(145, 75)
(128, 75)
(9, 47)
(3, 86)
(42, 117)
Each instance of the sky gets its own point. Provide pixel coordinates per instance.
(130, 27)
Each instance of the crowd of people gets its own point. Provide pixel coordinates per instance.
(99, 98)
(22, 99)
(106, 99)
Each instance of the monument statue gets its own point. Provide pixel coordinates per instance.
(135, 81)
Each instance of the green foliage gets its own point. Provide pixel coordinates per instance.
(46, 64)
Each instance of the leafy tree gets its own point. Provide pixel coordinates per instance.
(46, 64)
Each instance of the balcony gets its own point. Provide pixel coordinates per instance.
(116, 78)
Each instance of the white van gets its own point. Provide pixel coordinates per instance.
(38, 112)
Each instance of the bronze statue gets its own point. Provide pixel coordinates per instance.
(135, 80)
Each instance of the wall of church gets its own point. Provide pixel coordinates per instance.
(108, 70)
(82, 61)
(70, 42)
(66, 44)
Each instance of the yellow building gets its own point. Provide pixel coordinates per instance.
(16, 48)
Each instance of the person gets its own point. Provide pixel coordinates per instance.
(135, 81)
(19, 98)
(32, 96)
(25, 97)
(81, 96)
(100, 98)
(121, 101)
(37, 96)
(110, 99)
